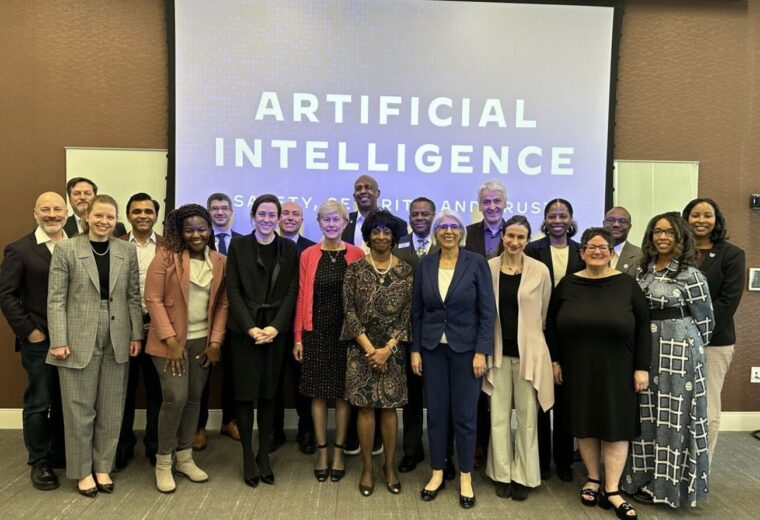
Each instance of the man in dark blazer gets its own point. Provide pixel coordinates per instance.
(366, 193)
(291, 220)
(626, 255)
(81, 191)
(484, 238)
(219, 206)
(142, 214)
(23, 299)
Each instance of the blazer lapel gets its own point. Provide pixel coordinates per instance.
(711, 257)
(218, 270)
(185, 280)
(84, 252)
(42, 250)
(459, 271)
(432, 268)
(115, 267)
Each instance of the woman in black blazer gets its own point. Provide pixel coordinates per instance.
(722, 264)
(453, 316)
(262, 283)
(562, 256)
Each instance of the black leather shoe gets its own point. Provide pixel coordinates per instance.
(503, 489)
(467, 502)
(427, 495)
(268, 479)
(121, 461)
(409, 462)
(565, 474)
(43, 477)
(306, 443)
(278, 439)
(251, 481)
(519, 492)
(449, 471)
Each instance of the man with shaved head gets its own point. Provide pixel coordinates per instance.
(23, 300)
(626, 255)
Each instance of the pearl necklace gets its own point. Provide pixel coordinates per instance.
(380, 273)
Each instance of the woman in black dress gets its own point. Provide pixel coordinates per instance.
(262, 280)
(598, 330)
(377, 296)
(722, 263)
(317, 328)
(561, 254)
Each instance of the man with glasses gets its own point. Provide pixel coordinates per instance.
(626, 255)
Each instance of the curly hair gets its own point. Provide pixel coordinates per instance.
(382, 218)
(174, 224)
(684, 249)
(572, 228)
(594, 232)
(517, 220)
(719, 232)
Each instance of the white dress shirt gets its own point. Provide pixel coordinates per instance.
(145, 254)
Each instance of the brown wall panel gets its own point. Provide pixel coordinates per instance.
(93, 73)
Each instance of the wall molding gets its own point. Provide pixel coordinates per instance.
(10, 419)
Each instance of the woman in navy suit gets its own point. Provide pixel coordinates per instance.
(453, 316)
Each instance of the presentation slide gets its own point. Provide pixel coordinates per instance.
(431, 98)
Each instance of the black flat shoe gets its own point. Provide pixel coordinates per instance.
(642, 497)
(251, 481)
(409, 463)
(89, 493)
(393, 487)
(590, 497)
(104, 488)
(267, 479)
(466, 502)
(622, 510)
(427, 495)
(366, 490)
(503, 490)
(519, 492)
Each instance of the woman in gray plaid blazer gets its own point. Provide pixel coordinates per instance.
(95, 322)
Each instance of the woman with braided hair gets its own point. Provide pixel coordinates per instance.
(185, 292)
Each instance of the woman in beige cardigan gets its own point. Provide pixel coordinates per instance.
(520, 366)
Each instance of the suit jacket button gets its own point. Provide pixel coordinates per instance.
(113, 318)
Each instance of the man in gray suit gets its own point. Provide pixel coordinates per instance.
(95, 322)
(626, 255)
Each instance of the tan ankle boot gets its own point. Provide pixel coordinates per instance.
(186, 466)
(164, 477)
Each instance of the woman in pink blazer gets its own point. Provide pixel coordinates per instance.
(186, 296)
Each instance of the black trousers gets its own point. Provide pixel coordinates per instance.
(42, 414)
(228, 399)
(560, 445)
(153, 399)
(292, 368)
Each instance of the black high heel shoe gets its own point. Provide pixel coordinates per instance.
(622, 510)
(322, 474)
(590, 497)
(250, 471)
(429, 494)
(268, 477)
(337, 474)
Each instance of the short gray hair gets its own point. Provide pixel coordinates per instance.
(493, 186)
(332, 206)
(453, 214)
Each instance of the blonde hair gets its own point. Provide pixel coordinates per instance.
(332, 206)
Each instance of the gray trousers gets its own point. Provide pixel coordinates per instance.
(178, 417)
(93, 404)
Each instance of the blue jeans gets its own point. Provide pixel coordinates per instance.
(42, 415)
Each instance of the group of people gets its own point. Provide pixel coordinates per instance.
(627, 347)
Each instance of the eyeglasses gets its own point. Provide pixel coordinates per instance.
(622, 221)
(591, 248)
(670, 233)
(448, 227)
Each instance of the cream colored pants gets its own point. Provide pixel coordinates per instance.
(717, 359)
(507, 463)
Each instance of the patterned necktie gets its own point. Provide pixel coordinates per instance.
(222, 244)
(421, 249)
